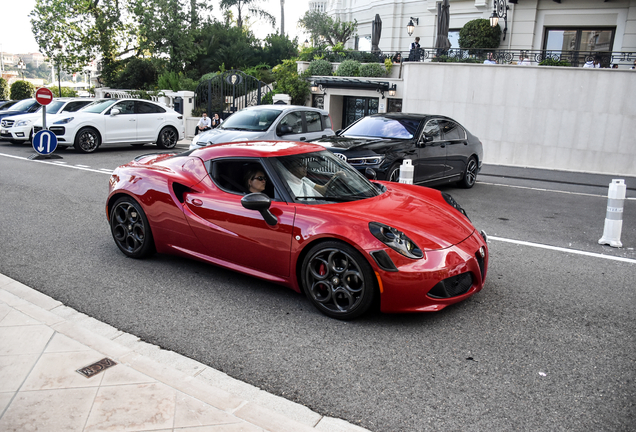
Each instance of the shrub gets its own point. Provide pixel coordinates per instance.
(479, 34)
(4, 89)
(372, 70)
(348, 68)
(22, 90)
(552, 62)
(452, 59)
(66, 92)
(388, 65)
(320, 68)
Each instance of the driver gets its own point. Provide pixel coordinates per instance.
(300, 185)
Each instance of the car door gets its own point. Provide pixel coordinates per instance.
(121, 127)
(457, 151)
(294, 120)
(150, 118)
(431, 154)
(235, 235)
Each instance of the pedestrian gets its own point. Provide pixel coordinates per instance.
(490, 59)
(593, 63)
(216, 120)
(416, 43)
(203, 125)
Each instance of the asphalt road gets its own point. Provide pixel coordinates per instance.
(547, 345)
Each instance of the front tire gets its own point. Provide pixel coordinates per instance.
(393, 174)
(167, 138)
(338, 280)
(130, 228)
(87, 140)
(470, 174)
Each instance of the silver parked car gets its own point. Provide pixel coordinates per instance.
(269, 122)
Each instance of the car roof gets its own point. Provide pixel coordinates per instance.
(284, 108)
(255, 149)
(411, 116)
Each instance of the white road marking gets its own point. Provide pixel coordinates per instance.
(550, 190)
(561, 249)
(83, 166)
(56, 163)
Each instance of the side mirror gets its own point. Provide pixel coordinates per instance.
(285, 129)
(370, 174)
(425, 139)
(115, 111)
(261, 203)
(338, 132)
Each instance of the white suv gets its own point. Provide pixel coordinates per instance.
(116, 122)
(19, 129)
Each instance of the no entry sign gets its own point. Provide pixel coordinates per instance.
(43, 96)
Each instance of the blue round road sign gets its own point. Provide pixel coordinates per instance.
(44, 142)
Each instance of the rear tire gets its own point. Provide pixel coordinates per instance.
(167, 138)
(87, 140)
(470, 174)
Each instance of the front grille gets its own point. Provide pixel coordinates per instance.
(7, 123)
(452, 286)
(36, 129)
(58, 130)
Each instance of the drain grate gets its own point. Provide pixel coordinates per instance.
(95, 368)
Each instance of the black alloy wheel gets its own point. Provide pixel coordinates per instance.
(470, 174)
(338, 280)
(87, 140)
(130, 228)
(167, 138)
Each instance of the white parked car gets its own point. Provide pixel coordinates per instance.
(116, 122)
(19, 129)
(269, 122)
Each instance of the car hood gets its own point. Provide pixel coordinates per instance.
(216, 136)
(336, 143)
(421, 213)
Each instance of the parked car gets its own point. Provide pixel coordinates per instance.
(269, 122)
(19, 129)
(295, 214)
(441, 149)
(25, 106)
(6, 104)
(116, 122)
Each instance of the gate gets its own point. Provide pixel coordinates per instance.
(229, 92)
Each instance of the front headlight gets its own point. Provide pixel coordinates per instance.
(64, 121)
(396, 240)
(23, 123)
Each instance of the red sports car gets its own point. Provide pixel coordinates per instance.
(295, 214)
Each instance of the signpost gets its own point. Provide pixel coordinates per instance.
(45, 141)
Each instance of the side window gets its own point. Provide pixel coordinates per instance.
(313, 121)
(452, 131)
(326, 120)
(74, 106)
(236, 176)
(148, 108)
(431, 129)
(125, 107)
(294, 120)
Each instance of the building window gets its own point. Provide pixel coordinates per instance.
(395, 105)
(586, 40)
(358, 107)
(453, 38)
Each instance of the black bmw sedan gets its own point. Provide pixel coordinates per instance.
(441, 150)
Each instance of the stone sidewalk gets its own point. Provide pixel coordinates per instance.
(44, 344)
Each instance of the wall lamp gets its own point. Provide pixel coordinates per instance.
(500, 10)
(306, 43)
(392, 90)
(410, 26)
(315, 88)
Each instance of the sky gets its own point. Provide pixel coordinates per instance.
(16, 36)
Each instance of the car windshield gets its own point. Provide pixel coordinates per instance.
(99, 105)
(383, 127)
(23, 105)
(54, 107)
(251, 120)
(321, 177)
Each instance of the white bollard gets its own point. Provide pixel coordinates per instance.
(406, 172)
(614, 215)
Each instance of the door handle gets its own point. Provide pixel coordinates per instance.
(302, 138)
(197, 202)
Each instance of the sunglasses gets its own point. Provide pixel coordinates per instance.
(260, 178)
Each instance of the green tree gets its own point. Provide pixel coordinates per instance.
(247, 6)
(135, 73)
(289, 82)
(479, 34)
(323, 27)
(22, 90)
(66, 92)
(4, 89)
(277, 48)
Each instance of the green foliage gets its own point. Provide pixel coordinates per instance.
(252, 9)
(262, 72)
(320, 68)
(22, 90)
(289, 82)
(208, 76)
(321, 26)
(372, 70)
(4, 89)
(168, 81)
(277, 48)
(144, 94)
(479, 34)
(349, 68)
(388, 65)
(447, 59)
(552, 62)
(132, 73)
(66, 92)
